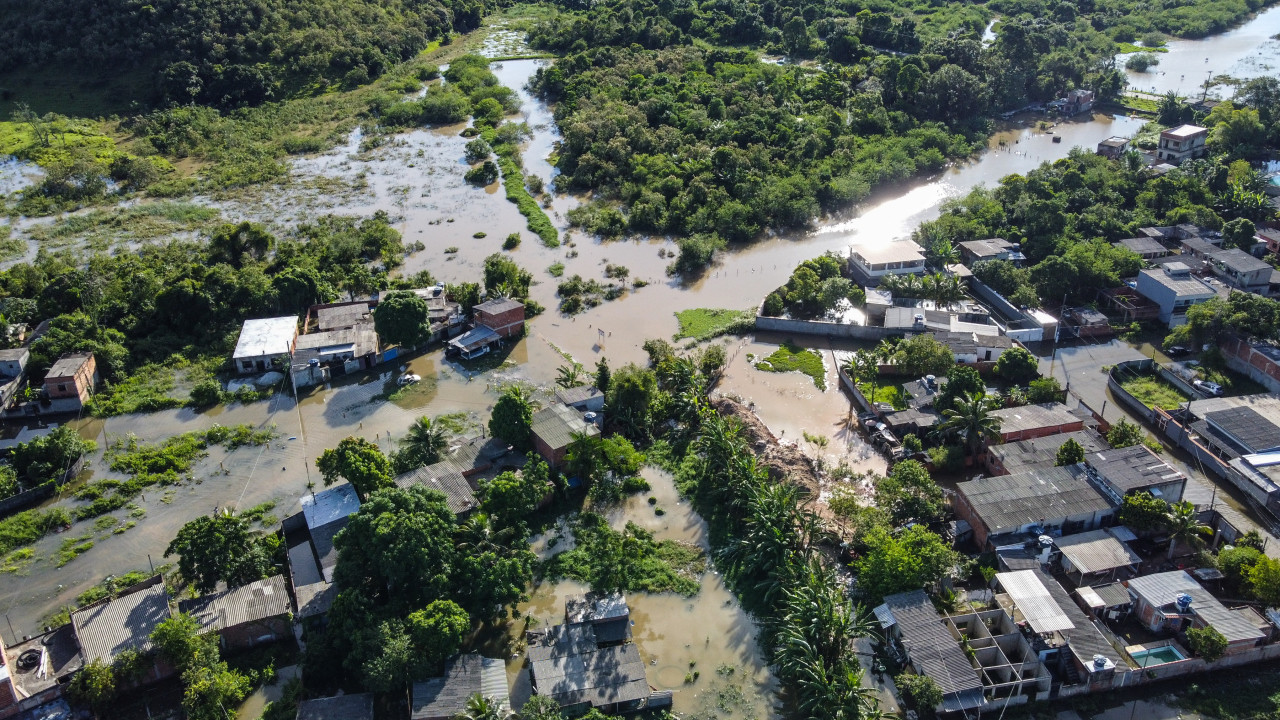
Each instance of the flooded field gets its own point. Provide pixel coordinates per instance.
(1244, 53)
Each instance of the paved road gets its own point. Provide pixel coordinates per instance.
(1081, 369)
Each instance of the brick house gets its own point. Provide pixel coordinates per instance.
(1033, 421)
(553, 431)
(71, 380)
(245, 616)
(501, 315)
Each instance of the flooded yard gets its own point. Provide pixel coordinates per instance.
(1249, 51)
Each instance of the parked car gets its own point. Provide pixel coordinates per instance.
(1176, 351)
(1206, 388)
(408, 379)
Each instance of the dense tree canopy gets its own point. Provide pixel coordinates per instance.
(222, 548)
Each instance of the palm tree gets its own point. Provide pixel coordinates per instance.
(569, 376)
(971, 419)
(477, 535)
(482, 708)
(1184, 525)
(942, 253)
(423, 445)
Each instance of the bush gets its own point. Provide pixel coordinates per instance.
(1207, 642)
(920, 691)
(1017, 365)
(477, 150)
(1141, 62)
(512, 242)
(484, 174)
(947, 458)
(206, 393)
(696, 254)
(773, 305)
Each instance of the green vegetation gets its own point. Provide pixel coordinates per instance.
(895, 395)
(556, 269)
(630, 561)
(1154, 391)
(706, 323)
(29, 526)
(1128, 47)
(222, 548)
(790, 357)
(1235, 696)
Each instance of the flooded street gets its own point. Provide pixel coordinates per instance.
(1244, 53)
(708, 633)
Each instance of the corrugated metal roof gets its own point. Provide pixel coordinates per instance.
(1032, 417)
(315, 599)
(1053, 493)
(595, 607)
(1113, 594)
(1085, 639)
(444, 697)
(1253, 431)
(557, 424)
(933, 651)
(1096, 551)
(602, 677)
(258, 600)
(343, 707)
(68, 365)
(1021, 455)
(497, 306)
(1033, 600)
(124, 623)
(1161, 590)
(444, 477)
(1133, 469)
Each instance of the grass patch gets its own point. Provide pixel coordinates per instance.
(1154, 392)
(706, 323)
(29, 526)
(513, 185)
(629, 560)
(17, 562)
(99, 229)
(73, 548)
(11, 248)
(556, 269)
(895, 395)
(792, 358)
(154, 387)
(1127, 47)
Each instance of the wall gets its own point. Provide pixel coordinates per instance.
(863, 404)
(22, 500)
(824, 328)
(1241, 357)
(1034, 333)
(1122, 396)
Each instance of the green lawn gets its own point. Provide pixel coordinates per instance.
(1154, 392)
(886, 393)
(706, 323)
(1131, 48)
(789, 358)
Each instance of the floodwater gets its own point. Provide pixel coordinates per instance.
(1244, 53)
(252, 707)
(708, 633)
(17, 174)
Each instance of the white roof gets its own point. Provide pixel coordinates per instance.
(335, 503)
(900, 251)
(1183, 131)
(1096, 551)
(266, 336)
(1034, 601)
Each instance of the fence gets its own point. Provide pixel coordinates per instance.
(38, 494)
(824, 328)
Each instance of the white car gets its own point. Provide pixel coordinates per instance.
(1211, 389)
(408, 379)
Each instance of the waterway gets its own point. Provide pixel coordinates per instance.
(1246, 52)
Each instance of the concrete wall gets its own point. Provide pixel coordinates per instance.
(1122, 396)
(997, 301)
(823, 328)
(1241, 357)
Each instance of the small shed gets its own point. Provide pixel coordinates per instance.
(341, 707)
(1095, 555)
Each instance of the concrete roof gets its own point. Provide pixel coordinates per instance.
(1239, 261)
(342, 316)
(1096, 551)
(329, 505)
(1031, 417)
(498, 306)
(67, 365)
(888, 252)
(1033, 601)
(266, 336)
(1183, 286)
(258, 600)
(1011, 501)
(990, 247)
(1115, 141)
(1161, 590)
(1142, 245)
(110, 627)
(466, 675)
(1184, 131)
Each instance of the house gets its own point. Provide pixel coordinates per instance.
(1268, 236)
(1076, 101)
(109, 627)
(1242, 271)
(1173, 289)
(13, 362)
(1042, 452)
(1113, 147)
(35, 671)
(1243, 433)
(971, 348)
(1133, 470)
(1131, 304)
(504, 316)
(584, 398)
(584, 664)
(1260, 360)
(342, 707)
(1182, 143)
(1173, 602)
(253, 614)
(969, 318)
(70, 382)
(1110, 601)
(319, 356)
(1043, 501)
(1146, 248)
(445, 697)
(870, 262)
(444, 316)
(973, 252)
(1096, 556)
(473, 343)
(1199, 248)
(1085, 322)
(1032, 421)
(339, 316)
(312, 556)
(264, 344)
(911, 623)
(553, 431)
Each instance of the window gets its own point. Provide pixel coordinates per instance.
(62, 387)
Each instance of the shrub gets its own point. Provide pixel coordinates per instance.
(484, 174)
(512, 242)
(1207, 642)
(1141, 62)
(206, 393)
